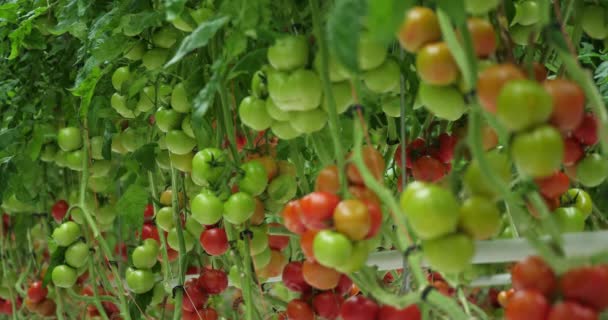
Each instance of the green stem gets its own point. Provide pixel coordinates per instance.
(59, 312)
(331, 103)
(22, 277)
(163, 242)
(182, 243)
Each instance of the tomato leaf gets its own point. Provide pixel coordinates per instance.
(145, 156)
(130, 207)
(18, 36)
(384, 17)
(9, 12)
(57, 258)
(454, 9)
(198, 38)
(343, 28)
(174, 8)
(135, 23)
(201, 104)
(249, 63)
(106, 150)
(35, 144)
(69, 16)
(140, 302)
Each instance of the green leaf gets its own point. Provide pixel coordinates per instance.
(70, 19)
(133, 24)
(109, 47)
(18, 36)
(249, 63)
(145, 156)
(201, 104)
(198, 38)
(9, 12)
(130, 207)
(174, 8)
(35, 144)
(57, 258)
(384, 17)
(106, 150)
(343, 28)
(140, 303)
(136, 86)
(8, 137)
(454, 9)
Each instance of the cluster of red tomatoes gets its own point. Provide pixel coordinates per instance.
(37, 301)
(539, 294)
(197, 291)
(428, 161)
(6, 306)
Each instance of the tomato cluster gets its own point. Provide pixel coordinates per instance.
(583, 292)
(37, 301)
(428, 161)
(197, 291)
(6, 306)
(75, 256)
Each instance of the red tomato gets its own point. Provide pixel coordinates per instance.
(344, 285)
(292, 217)
(359, 308)
(293, 277)
(375, 215)
(553, 186)
(414, 150)
(317, 209)
(213, 281)
(391, 313)
(194, 298)
(587, 285)
(428, 169)
(527, 305)
(59, 210)
(573, 151)
(327, 305)
(447, 144)
(568, 310)
(149, 231)
(306, 243)
(214, 241)
(299, 310)
(586, 133)
(36, 292)
(149, 211)
(532, 273)
(277, 242)
(328, 180)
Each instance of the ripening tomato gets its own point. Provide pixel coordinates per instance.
(490, 83)
(480, 218)
(533, 273)
(554, 185)
(306, 243)
(483, 36)
(587, 131)
(351, 217)
(523, 97)
(363, 193)
(214, 241)
(320, 277)
(373, 161)
(213, 281)
(359, 308)
(569, 310)
(573, 151)
(299, 310)
(391, 313)
(59, 210)
(317, 208)
(292, 217)
(568, 103)
(293, 277)
(375, 215)
(275, 266)
(527, 305)
(327, 305)
(436, 65)
(194, 298)
(328, 180)
(586, 285)
(36, 292)
(428, 169)
(420, 27)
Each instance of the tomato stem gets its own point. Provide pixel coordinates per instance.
(181, 242)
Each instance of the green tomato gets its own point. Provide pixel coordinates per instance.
(48, 152)
(155, 58)
(259, 240)
(66, 233)
(480, 7)
(182, 162)
(274, 112)
(164, 218)
(235, 278)
(258, 84)
(119, 103)
(254, 179)
(297, 91)
(475, 182)
(165, 37)
(136, 51)
(284, 131)
(97, 147)
(592, 170)
(578, 198)
(120, 76)
(337, 72)
(358, 258)
(523, 104)
(77, 215)
(208, 166)
(595, 23)
(383, 79)
(61, 158)
(262, 259)
(140, 281)
(167, 119)
(445, 102)
(173, 240)
(69, 139)
(527, 12)
(570, 219)
(480, 218)
(64, 276)
(148, 97)
(106, 215)
(74, 160)
(282, 188)
(144, 256)
(521, 34)
(538, 153)
(194, 227)
(392, 106)
(187, 127)
(179, 143)
(332, 249)
(132, 140)
(99, 184)
(288, 53)
(307, 122)
(158, 294)
(372, 52)
(239, 208)
(163, 160)
(179, 99)
(77, 255)
(451, 253)
(343, 97)
(431, 210)
(207, 208)
(253, 113)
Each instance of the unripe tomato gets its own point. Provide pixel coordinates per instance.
(208, 165)
(135, 51)
(182, 162)
(446, 102)
(538, 153)
(120, 76)
(69, 139)
(282, 189)
(66, 233)
(490, 83)
(352, 218)
(179, 99)
(253, 113)
(144, 256)
(165, 37)
(284, 130)
(179, 143)
(533, 273)
(259, 239)
(140, 281)
(155, 58)
(299, 90)
(526, 12)
(342, 92)
(373, 161)
(595, 23)
(431, 210)
(331, 248)
(164, 218)
(578, 198)
(262, 259)
(522, 104)
(77, 255)
(480, 7)
(383, 79)
(275, 267)
(436, 66)
(527, 305)
(173, 240)
(214, 241)
(309, 121)
(570, 219)
(167, 119)
(420, 27)
(452, 253)
(63, 276)
(239, 207)
(568, 103)
(320, 277)
(274, 112)
(372, 52)
(288, 53)
(207, 208)
(483, 36)
(480, 218)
